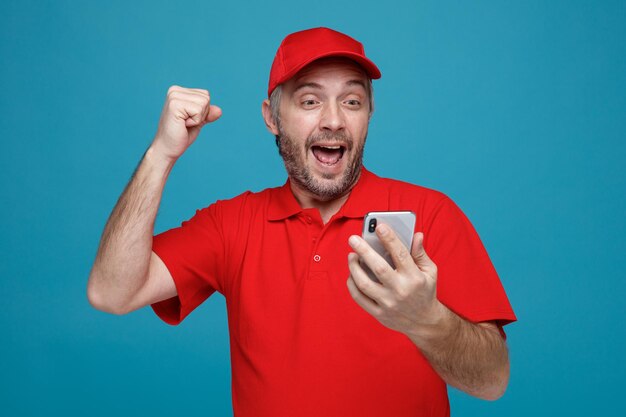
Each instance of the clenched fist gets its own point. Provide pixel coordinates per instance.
(185, 112)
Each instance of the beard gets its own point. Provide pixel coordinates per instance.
(327, 187)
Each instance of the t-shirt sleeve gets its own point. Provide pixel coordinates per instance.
(193, 253)
(467, 281)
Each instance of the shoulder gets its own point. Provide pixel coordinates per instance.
(411, 190)
(430, 206)
(406, 194)
(245, 198)
(242, 206)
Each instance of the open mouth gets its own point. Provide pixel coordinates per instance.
(328, 154)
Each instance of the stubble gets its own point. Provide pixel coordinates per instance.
(328, 188)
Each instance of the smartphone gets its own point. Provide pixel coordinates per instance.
(402, 223)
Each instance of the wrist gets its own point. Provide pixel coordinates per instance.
(159, 160)
(435, 328)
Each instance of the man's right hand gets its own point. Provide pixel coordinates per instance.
(185, 112)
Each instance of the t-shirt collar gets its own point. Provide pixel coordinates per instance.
(367, 195)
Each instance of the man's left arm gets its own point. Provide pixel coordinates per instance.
(472, 357)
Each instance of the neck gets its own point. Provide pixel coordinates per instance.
(327, 208)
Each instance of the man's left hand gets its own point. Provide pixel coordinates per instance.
(406, 297)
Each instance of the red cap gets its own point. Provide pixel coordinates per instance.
(301, 48)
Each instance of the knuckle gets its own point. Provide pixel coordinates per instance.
(379, 269)
(363, 283)
(418, 283)
(171, 96)
(172, 89)
(389, 303)
(402, 254)
(368, 286)
(172, 104)
(388, 237)
(402, 293)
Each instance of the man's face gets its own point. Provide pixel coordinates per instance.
(324, 115)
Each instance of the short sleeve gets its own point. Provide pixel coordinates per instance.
(467, 281)
(193, 253)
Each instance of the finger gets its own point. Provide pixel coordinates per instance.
(363, 300)
(200, 91)
(188, 94)
(376, 263)
(399, 253)
(191, 95)
(205, 106)
(177, 88)
(363, 282)
(189, 99)
(206, 103)
(421, 259)
(195, 116)
(192, 113)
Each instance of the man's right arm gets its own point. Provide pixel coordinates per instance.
(126, 274)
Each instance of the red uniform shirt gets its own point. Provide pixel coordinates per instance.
(300, 345)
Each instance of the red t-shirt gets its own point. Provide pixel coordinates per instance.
(300, 345)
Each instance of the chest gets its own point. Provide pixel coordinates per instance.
(290, 285)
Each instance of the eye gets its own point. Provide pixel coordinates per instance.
(353, 103)
(308, 103)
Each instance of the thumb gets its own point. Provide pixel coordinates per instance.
(196, 120)
(419, 255)
(214, 113)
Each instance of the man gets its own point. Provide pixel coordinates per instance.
(304, 341)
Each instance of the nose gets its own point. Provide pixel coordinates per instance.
(332, 118)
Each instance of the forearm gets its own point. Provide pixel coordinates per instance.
(123, 257)
(468, 356)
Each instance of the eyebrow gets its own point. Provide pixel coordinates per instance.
(317, 86)
(357, 82)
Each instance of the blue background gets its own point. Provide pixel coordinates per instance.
(517, 110)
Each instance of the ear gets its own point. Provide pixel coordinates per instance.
(267, 116)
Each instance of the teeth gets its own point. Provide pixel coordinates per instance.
(331, 147)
